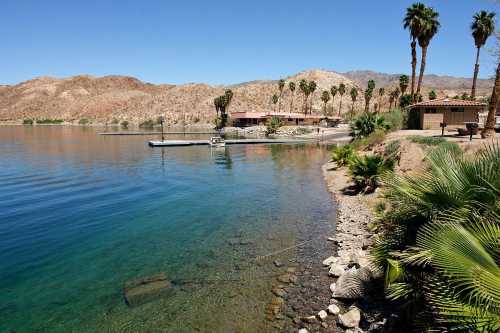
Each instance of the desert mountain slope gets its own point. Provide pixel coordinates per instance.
(102, 99)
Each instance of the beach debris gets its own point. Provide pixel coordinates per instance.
(140, 291)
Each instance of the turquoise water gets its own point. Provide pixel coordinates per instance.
(81, 214)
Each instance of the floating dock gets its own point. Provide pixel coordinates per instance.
(176, 143)
(155, 133)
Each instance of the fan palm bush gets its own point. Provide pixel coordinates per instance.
(342, 155)
(439, 247)
(366, 170)
(367, 123)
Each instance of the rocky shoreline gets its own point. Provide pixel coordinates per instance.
(332, 287)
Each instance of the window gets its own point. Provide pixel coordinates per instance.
(457, 109)
(430, 110)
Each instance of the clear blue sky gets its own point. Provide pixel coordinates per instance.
(226, 41)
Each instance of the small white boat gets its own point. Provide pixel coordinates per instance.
(217, 141)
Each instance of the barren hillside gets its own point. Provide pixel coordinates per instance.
(125, 98)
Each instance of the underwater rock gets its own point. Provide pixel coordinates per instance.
(139, 291)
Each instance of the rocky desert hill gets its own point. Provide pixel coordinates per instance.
(102, 99)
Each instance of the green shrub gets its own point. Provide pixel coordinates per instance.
(28, 122)
(392, 148)
(124, 124)
(83, 121)
(49, 121)
(366, 170)
(439, 242)
(375, 138)
(395, 119)
(196, 120)
(303, 130)
(115, 121)
(273, 124)
(342, 155)
(367, 123)
(436, 141)
(147, 124)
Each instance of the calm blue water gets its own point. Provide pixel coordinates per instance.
(81, 214)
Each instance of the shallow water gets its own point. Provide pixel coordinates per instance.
(81, 214)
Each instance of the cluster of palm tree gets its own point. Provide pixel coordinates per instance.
(221, 105)
(307, 89)
(440, 243)
(422, 23)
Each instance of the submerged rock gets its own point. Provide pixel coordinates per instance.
(139, 291)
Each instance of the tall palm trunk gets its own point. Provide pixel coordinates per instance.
(352, 110)
(476, 72)
(413, 66)
(291, 103)
(340, 105)
(367, 105)
(489, 126)
(422, 70)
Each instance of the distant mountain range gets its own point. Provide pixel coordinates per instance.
(104, 99)
(430, 81)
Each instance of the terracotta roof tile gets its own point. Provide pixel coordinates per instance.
(448, 102)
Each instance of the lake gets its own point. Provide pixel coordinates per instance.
(81, 214)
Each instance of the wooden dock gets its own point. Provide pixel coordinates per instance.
(155, 133)
(177, 143)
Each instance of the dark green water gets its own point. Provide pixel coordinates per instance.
(81, 214)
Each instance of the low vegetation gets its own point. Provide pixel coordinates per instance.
(432, 141)
(366, 170)
(49, 121)
(124, 124)
(439, 242)
(28, 122)
(147, 124)
(273, 125)
(84, 121)
(342, 155)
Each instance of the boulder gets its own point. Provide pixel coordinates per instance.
(333, 309)
(329, 261)
(322, 315)
(351, 318)
(139, 291)
(336, 270)
(332, 287)
(303, 330)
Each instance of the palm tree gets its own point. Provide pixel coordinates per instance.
(396, 96)
(391, 99)
(325, 97)
(354, 96)
(369, 94)
(304, 88)
(217, 106)
(281, 86)
(333, 91)
(432, 95)
(291, 86)
(489, 126)
(275, 100)
(483, 25)
(403, 84)
(381, 93)
(311, 89)
(341, 93)
(413, 23)
(430, 26)
(228, 97)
